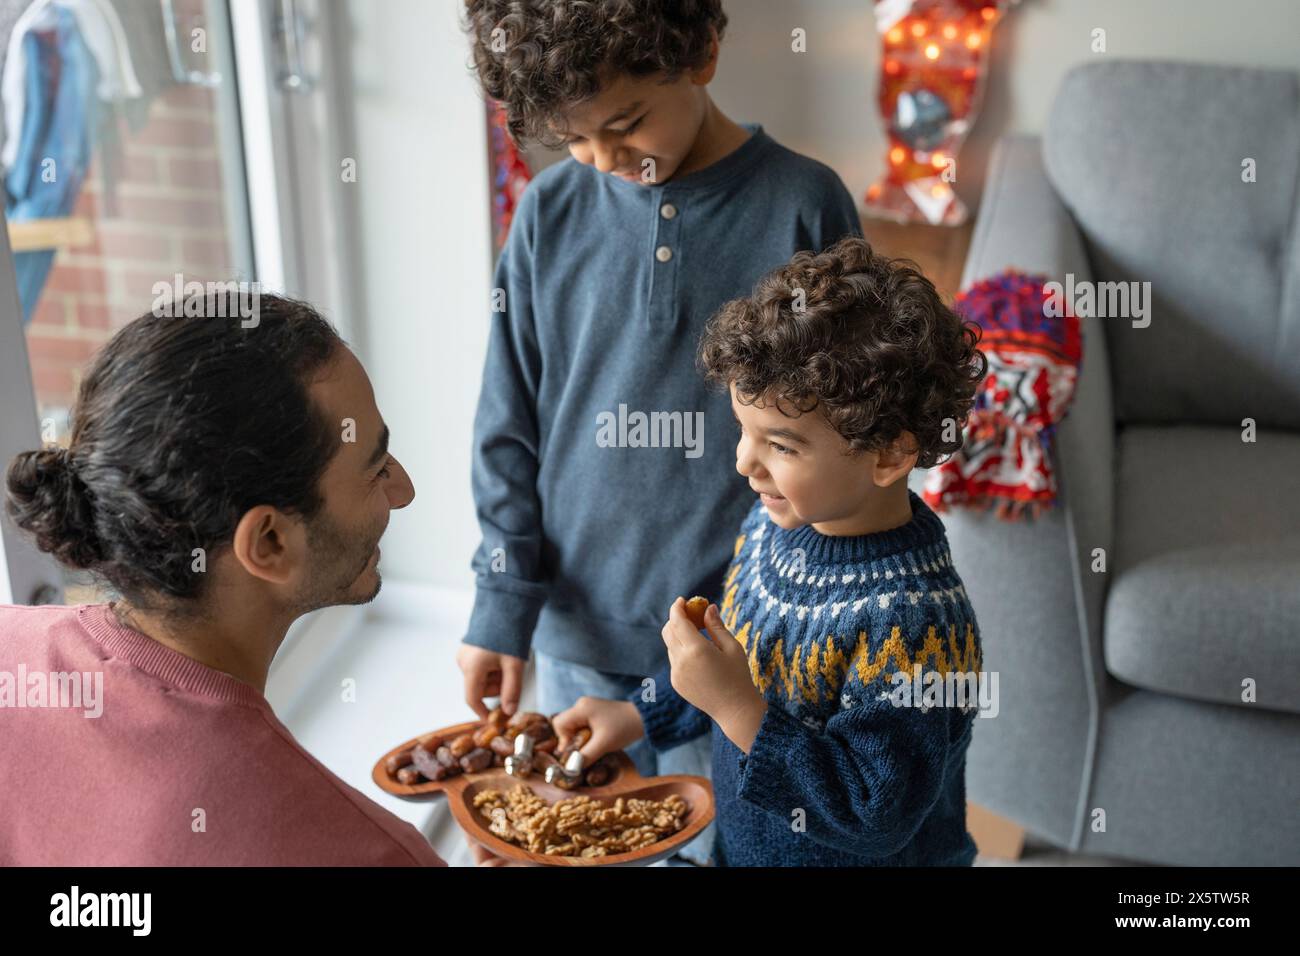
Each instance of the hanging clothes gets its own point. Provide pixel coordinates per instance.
(138, 33)
(102, 31)
(56, 137)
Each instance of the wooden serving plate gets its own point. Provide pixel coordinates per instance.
(624, 782)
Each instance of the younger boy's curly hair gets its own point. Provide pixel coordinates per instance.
(864, 338)
(541, 57)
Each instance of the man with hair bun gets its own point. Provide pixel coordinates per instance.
(208, 486)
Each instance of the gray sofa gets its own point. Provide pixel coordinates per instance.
(1121, 691)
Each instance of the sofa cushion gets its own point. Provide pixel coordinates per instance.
(1147, 156)
(1205, 577)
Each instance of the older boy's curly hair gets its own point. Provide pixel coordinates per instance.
(873, 345)
(551, 55)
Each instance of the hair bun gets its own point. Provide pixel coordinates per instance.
(47, 499)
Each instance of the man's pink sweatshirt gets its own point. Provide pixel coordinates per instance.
(118, 751)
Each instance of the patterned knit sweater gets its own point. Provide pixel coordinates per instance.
(842, 632)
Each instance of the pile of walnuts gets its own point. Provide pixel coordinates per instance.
(581, 825)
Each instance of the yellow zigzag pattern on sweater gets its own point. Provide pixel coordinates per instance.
(833, 665)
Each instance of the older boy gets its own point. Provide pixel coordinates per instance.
(602, 466)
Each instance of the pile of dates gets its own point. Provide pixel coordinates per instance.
(435, 757)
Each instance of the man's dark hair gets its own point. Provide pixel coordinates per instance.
(864, 338)
(181, 425)
(541, 57)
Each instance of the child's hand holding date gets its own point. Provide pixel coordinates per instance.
(490, 674)
(713, 674)
(614, 725)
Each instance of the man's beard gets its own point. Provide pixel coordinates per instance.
(337, 563)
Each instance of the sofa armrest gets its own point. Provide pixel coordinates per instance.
(1037, 600)
(1022, 223)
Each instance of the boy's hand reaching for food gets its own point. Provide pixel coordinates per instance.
(714, 674)
(490, 674)
(614, 724)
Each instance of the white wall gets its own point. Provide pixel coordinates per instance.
(426, 247)
(425, 187)
(823, 102)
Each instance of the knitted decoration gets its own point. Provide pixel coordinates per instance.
(1034, 360)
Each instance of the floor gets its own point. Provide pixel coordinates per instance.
(1039, 853)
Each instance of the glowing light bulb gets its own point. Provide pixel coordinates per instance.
(918, 29)
(897, 155)
(973, 40)
(949, 31)
(932, 51)
(895, 35)
(938, 160)
(988, 13)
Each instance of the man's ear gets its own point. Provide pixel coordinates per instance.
(896, 461)
(265, 544)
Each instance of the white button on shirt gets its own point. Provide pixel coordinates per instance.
(668, 210)
(663, 253)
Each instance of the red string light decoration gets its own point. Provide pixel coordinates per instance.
(934, 57)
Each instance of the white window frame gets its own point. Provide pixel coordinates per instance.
(27, 576)
(295, 116)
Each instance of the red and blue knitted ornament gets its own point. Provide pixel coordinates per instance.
(1034, 360)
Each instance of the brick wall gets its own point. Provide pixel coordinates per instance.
(169, 218)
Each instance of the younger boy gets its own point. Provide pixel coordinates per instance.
(845, 371)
